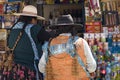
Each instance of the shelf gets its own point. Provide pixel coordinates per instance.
(11, 2)
(110, 11)
(110, 25)
(7, 14)
(108, 0)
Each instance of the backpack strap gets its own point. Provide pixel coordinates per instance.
(48, 49)
(18, 37)
(78, 57)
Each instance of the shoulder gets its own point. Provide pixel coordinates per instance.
(80, 40)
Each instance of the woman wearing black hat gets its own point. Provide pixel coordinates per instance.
(67, 56)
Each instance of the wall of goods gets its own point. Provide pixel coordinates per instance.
(103, 35)
(7, 8)
(6, 11)
(100, 18)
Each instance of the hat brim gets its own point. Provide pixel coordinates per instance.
(25, 14)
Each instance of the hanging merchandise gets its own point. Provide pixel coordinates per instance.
(103, 37)
(109, 39)
(107, 44)
(103, 47)
(11, 8)
(95, 5)
(110, 18)
(1, 8)
(113, 39)
(93, 27)
(91, 39)
(3, 37)
(118, 42)
(110, 13)
(7, 19)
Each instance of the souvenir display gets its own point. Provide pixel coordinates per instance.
(101, 29)
(1, 8)
(9, 20)
(10, 8)
(3, 37)
(103, 48)
(93, 27)
(6, 13)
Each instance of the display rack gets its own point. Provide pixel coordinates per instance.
(110, 12)
(3, 38)
(93, 23)
(7, 19)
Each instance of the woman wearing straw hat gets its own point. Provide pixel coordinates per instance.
(28, 50)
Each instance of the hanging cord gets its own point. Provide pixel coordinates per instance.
(74, 61)
(49, 72)
(77, 59)
(18, 38)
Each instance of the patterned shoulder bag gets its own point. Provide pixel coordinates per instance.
(6, 59)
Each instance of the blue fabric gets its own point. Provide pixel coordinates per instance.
(27, 29)
(19, 25)
(36, 57)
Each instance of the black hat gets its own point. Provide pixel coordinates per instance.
(65, 20)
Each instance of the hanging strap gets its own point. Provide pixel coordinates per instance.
(28, 32)
(79, 59)
(34, 47)
(48, 49)
(17, 40)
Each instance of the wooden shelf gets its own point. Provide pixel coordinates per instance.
(108, 0)
(11, 2)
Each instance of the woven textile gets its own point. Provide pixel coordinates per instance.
(63, 66)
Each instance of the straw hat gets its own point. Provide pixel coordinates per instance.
(30, 10)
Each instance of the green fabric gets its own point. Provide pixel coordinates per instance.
(23, 53)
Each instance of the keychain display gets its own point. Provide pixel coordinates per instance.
(104, 46)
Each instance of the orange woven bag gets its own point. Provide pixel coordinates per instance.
(64, 67)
